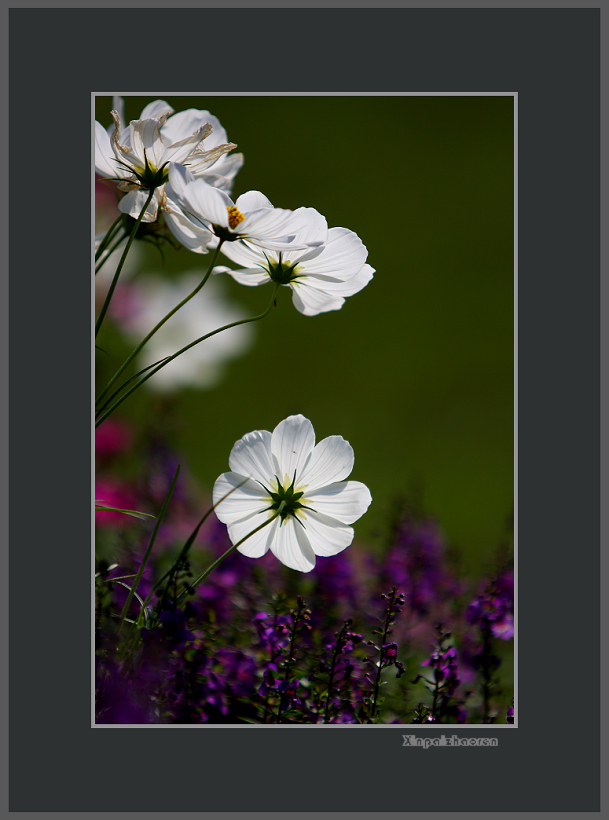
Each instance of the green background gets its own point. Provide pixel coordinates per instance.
(417, 370)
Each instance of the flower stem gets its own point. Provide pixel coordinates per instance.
(336, 653)
(381, 664)
(168, 359)
(486, 669)
(224, 555)
(149, 548)
(146, 339)
(184, 552)
(290, 660)
(110, 233)
(99, 264)
(106, 304)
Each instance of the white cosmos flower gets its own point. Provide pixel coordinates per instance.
(150, 297)
(287, 466)
(139, 155)
(320, 278)
(251, 217)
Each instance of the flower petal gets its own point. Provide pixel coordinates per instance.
(291, 546)
(292, 443)
(326, 535)
(315, 226)
(206, 202)
(257, 544)
(194, 237)
(251, 201)
(342, 257)
(251, 456)
(272, 228)
(311, 301)
(133, 202)
(331, 460)
(118, 105)
(180, 151)
(346, 501)
(105, 160)
(155, 109)
(146, 142)
(312, 296)
(252, 277)
(185, 123)
(225, 168)
(347, 288)
(247, 256)
(236, 497)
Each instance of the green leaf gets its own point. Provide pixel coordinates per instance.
(105, 508)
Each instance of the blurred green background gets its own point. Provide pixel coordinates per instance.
(416, 370)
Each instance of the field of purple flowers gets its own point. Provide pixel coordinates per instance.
(395, 638)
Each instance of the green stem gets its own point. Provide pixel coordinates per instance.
(209, 569)
(106, 304)
(336, 652)
(99, 265)
(144, 341)
(189, 543)
(132, 379)
(149, 549)
(380, 667)
(109, 235)
(168, 359)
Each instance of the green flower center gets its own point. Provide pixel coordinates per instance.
(282, 272)
(289, 497)
(149, 177)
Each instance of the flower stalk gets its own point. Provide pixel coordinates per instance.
(108, 299)
(140, 572)
(109, 235)
(228, 552)
(388, 651)
(165, 361)
(158, 326)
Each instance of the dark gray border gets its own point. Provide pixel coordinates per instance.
(550, 763)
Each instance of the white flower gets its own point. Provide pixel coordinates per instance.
(149, 299)
(251, 217)
(320, 278)
(139, 155)
(287, 466)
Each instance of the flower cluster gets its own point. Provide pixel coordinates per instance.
(179, 166)
(494, 607)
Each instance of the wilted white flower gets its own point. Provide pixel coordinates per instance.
(139, 155)
(320, 278)
(148, 300)
(287, 466)
(251, 217)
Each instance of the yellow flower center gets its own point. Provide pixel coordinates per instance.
(234, 217)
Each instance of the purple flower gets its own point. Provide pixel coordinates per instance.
(494, 607)
(416, 563)
(444, 664)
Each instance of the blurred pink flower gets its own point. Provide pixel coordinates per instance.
(112, 438)
(114, 494)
